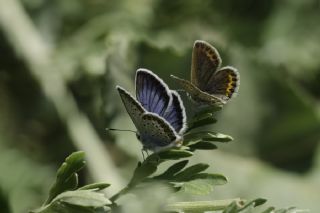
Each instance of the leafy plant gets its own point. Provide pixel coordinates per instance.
(66, 196)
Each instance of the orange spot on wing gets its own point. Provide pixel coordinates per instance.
(231, 86)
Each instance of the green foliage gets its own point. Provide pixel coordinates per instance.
(67, 178)
(66, 197)
(97, 44)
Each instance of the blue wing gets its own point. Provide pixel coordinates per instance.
(152, 92)
(176, 114)
(156, 134)
(133, 107)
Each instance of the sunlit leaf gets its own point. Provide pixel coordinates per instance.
(215, 179)
(197, 187)
(85, 198)
(80, 201)
(97, 186)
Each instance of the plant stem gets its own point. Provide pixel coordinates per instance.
(201, 206)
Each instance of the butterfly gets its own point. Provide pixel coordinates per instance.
(157, 112)
(210, 84)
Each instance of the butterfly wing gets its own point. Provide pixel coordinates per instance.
(176, 114)
(133, 107)
(200, 97)
(152, 92)
(224, 83)
(205, 62)
(156, 134)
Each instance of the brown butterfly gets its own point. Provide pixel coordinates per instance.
(210, 84)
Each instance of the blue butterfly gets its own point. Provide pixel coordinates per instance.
(158, 113)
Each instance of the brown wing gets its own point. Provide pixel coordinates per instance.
(224, 83)
(205, 62)
(200, 97)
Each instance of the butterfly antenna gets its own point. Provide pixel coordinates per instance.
(121, 130)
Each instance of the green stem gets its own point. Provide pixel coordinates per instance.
(201, 206)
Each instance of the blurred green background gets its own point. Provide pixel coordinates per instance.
(61, 60)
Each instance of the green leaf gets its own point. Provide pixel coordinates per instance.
(80, 201)
(204, 145)
(143, 171)
(204, 119)
(216, 179)
(174, 154)
(84, 198)
(72, 164)
(232, 208)
(186, 174)
(172, 170)
(67, 178)
(197, 187)
(207, 136)
(96, 186)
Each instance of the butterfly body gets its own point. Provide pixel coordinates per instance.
(210, 84)
(157, 113)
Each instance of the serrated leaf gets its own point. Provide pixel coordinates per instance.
(67, 178)
(203, 145)
(232, 208)
(207, 136)
(174, 154)
(96, 186)
(186, 174)
(172, 170)
(216, 179)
